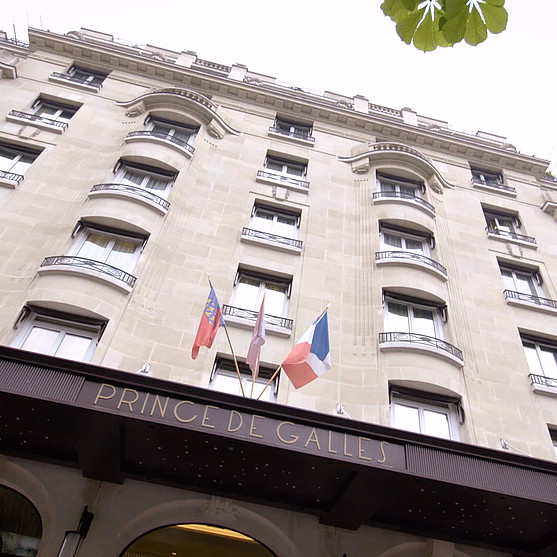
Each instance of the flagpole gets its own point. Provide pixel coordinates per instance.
(231, 349)
(269, 382)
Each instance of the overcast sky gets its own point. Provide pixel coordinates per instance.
(505, 86)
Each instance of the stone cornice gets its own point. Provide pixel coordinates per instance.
(358, 116)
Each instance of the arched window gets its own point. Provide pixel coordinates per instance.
(196, 539)
(20, 524)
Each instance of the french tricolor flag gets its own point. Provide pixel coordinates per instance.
(311, 357)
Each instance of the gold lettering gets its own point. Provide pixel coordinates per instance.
(128, 402)
(293, 438)
(100, 396)
(232, 414)
(384, 459)
(313, 439)
(346, 453)
(205, 417)
(330, 448)
(183, 420)
(145, 403)
(157, 402)
(252, 427)
(361, 449)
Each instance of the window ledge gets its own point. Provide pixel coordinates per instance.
(309, 142)
(294, 184)
(122, 191)
(140, 137)
(9, 183)
(403, 346)
(272, 244)
(505, 190)
(531, 305)
(249, 324)
(511, 240)
(409, 262)
(72, 83)
(542, 384)
(377, 200)
(59, 267)
(35, 123)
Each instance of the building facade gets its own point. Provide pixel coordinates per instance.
(129, 176)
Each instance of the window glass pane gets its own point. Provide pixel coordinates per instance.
(6, 159)
(276, 166)
(226, 384)
(122, 254)
(393, 241)
(182, 135)
(525, 284)
(423, 322)
(387, 186)
(407, 191)
(22, 164)
(157, 184)
(413, 245)
(285, 225)
(533, 359)
(436, 423)
(73, 347)
(295, 169)
(397, 320)
(263, 220)
(548, 359)
(246, 293)
(508, 279)
(47, 111)
(133, 178)
(40, 340)
(274, 299)
(94, 247)
(406, 417)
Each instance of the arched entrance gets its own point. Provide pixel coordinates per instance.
(181, 540)
(20, 524)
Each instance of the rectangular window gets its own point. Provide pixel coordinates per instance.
(502, 223)
(153, 180)
(522, 281)
(15, 160)
(542, 360)
(487, 177)
(401, 240)
(398, 187)
(426, 413)
(412, 317)
(289, 168)
(58, 334)
(274, 221)
(180, 134)
(53, 111)
(87, 77)
(224, 378)
(292, 129)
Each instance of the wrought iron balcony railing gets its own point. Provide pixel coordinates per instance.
(12, 176)
(91, 265)
(285, 178)
(410, 256)
(507, 234)
(543, 380)
(177, 141)
(535, 300)
(406, 196)
(294, 135)
(250, 315)
(36, 118)
(133, 190)
(95, 82)
(416, 338)
(272, 238)
(493, 184)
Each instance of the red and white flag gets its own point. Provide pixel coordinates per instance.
(257, 341)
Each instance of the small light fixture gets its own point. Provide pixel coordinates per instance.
(73, 538)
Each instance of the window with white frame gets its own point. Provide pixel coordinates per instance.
(393, 239)
(180, 134)
(542, 360)
(487, 177)
(523, 281)
(224, 378)
(274, 221)
(153, 180)
(53, 111)
(288, 168)
(15, 160)
(58, 334)
(426, 413)
(250, 288)
(293, 129)
(399, 187)
(88, 77)
(414, 317)
(115, 248)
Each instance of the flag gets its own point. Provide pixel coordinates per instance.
(257, 341)
(311, 357)
(208, 325)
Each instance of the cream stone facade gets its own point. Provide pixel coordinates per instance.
(131, 175)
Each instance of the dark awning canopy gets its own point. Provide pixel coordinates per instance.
(115, 425)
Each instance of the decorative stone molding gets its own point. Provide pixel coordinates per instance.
(135, 111)
(8, 64)
(252, 80)
(397, 152)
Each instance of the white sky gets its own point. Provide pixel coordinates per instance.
(505, 86)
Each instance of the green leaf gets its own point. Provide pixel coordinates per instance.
(453, 7)
(496, 17)
(424, 37)
(476, 29)
(406, 26)
(499, 3)
(392, 7)
(453, 26)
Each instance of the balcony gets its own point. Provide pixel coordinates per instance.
(530, 301)
(88, 267)
(402, 340)
(39, 121)
(162, 137)
(305, 138)
(282, 180)
(500, 234)
(272, 240)
(410, 258)
(10, 179)
(493, 185)
(273, 323)
(133, 192)
(401, 197)
(89, 84)
(543, 384)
